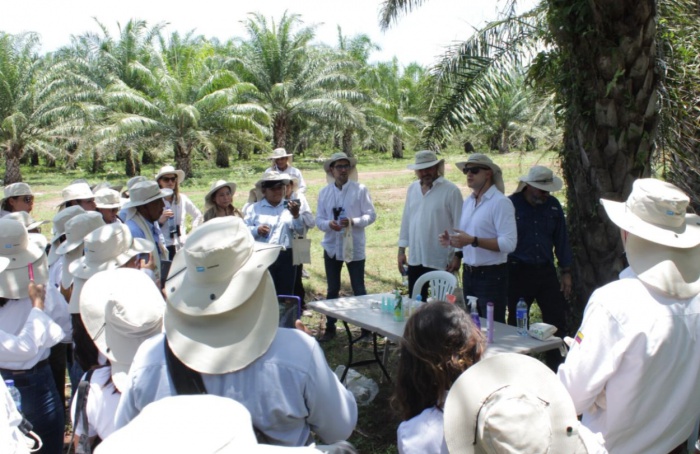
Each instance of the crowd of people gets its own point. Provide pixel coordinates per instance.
(160, 328)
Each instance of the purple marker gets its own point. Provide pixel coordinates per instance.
(489, 322)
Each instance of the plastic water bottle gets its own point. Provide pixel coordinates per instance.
(521, 316)
(474, 311)
(14, 392)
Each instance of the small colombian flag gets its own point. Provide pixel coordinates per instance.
(579, 337)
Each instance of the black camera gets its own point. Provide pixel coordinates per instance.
(336, 212)
(174, 230)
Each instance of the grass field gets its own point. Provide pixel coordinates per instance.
(387, 180)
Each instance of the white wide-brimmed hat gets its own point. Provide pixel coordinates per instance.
(222, 311)
(18, 249)
(108, 247)
(339, 156)
(663, 247)
(541, 178)
(170, 170)
(120, 309)
(26, 219)
(272, 176)
(77, 228)
(425, 159)
(131, 182)
(510, 403)
(200, 423)
(481, 160)
(76, 191)
(279, 153)
(107, 199)
(215, 186)
(16, 190)
(145, 192)
(59, 228)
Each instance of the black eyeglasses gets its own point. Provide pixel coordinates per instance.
(473, 170)
(342, 166)
(168, 179)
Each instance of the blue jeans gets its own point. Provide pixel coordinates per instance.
(356, 270)
(488, 284)
(41, 405)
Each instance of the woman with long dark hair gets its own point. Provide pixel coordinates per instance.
(439, 343)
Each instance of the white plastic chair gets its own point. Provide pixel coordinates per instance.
(441, 283)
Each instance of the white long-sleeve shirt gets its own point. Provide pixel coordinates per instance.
(292, 172)
(180, 210)
(354, 198)
(282, 223)
(289, 391)
(425, 217)
(26, 335)
(493, 217)
(634, 369)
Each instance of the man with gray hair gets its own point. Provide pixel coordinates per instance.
(432, 206)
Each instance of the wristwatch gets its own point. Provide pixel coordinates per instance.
(475, 243)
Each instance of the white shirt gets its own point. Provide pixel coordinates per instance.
(494, 217)
(354, 198)
(282, 223)
(425, 217)
(58, 306)
(101, 405)
(289, 391)
(305, 210)
(423, 434)
(11, 439)
(26, 335)
(180, 210)
(292, 172)
(635, 374)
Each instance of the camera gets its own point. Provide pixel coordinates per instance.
(174, 230)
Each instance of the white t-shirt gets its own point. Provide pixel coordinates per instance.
(423, 434)
(101, 405)
(11, 439)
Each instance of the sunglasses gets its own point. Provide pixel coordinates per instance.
(28, 198)
(473, 170)
(168, 179)
(342, 167)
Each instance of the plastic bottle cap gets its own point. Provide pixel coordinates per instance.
(451, 298)
(10, 383)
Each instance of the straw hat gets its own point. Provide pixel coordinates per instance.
(280, 153)
(145, 192)
(76, 191)
(339, 157)
(108, 247)
(106, 199)
(201, 423)
(18, 249)
(15, 190)
(222, 309)
(541, 178)
(120, 309)
(215, 186)
(478, 159)
(663, 247)
(510, 403)
(26, 219)
(170, 170)
(59, 228)
(425, 159)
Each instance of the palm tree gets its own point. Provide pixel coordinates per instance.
(297, 83)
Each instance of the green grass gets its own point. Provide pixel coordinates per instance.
(387, 180)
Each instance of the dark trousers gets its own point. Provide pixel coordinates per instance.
(488, 284)
(538, 283)
(41, 405)
(356, 270)
(283, 273)
(58, 361)
(414, 272)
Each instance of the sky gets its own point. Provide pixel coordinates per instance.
(419, 36)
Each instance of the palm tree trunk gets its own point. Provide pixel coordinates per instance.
(222, 157)
(279, 131)
(13, 172)
(182, 159)
(132, 164)
(397, 148)
(347, 141)
(610, 94)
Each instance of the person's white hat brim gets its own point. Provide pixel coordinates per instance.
(481, 160)
(170, 170)
(85, 269)
(209, 198)
(541, 178)
(120, 309)
(501, 380)
(278, 153)
(425, 159)
(77, 228)
(76, 191)
(133, 203)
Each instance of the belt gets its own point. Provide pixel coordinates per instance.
(536, 266)
(474, 269)
(31, 370)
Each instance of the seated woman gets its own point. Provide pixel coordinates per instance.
(219, 201)
(116, 318)
(275, 220)
(177, 206)
(439, 343)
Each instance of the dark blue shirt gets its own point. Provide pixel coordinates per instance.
(541, 232)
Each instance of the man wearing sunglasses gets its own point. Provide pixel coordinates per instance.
(487, 234)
